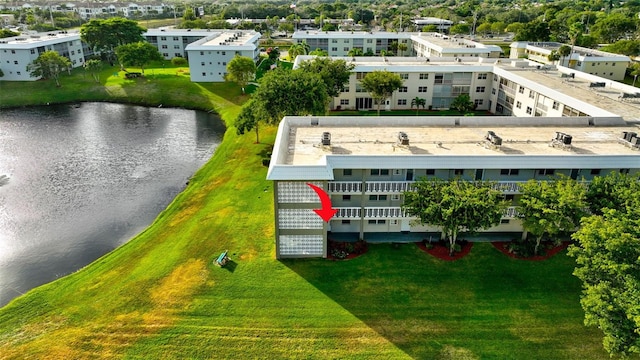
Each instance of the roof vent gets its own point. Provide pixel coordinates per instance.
(403, 138)
(326, 138)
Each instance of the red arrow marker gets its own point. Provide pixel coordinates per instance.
(327, 212)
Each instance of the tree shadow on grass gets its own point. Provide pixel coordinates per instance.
(429, 308)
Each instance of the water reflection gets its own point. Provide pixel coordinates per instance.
(76, 181)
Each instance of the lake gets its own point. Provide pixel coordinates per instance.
(79, 180)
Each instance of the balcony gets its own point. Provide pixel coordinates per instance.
(346, 213)
(344, 187)
(390, 187)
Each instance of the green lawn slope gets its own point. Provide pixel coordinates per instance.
(160, 296)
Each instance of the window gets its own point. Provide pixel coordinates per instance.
(546, 171)
(347, 172)
(334, 41)
(164, 46)
(478, 102)
(509, 171)
(403, 89)
(424, 76)
(422, 89)
(458, 171)
(163, 38)
(378, 222)
(344, 101)
(371, 222)
(404, 76)
(393, 222)
(176, 46)
(504, 221)
(395, 197)
(518, 104)
(595, 171)
(378, 197)
(509, 197)
(15, 62)
(369, 41)
(201, 52)
(165, 54)
(431, 171)
(346, 222)
(531, 94)
(334, 49)
(556, 105)
(482, 76)
(493, 91)
(346, 48)
(204, 74)
(624, 171)
(379, 171)
(224, 63)
(480, 89)
(402, 101)
(202, 63)
(346, 197)
(529, 110)
(33, 51)
(521, 89)
(175, 38)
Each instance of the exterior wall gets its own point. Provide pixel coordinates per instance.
(211, 65)
(299, 231)
(16, 54)
(338, 43)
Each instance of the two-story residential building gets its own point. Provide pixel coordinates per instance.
(553, 122)
(173, 42)
(591, 61)
(19, 51)
(441, 45)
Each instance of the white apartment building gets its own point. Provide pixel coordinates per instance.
(19, 51)
(339, 43)
(173, 42)
(441, 24)
(607, 65)
(208, 57)
(500, 86)
(554, 121)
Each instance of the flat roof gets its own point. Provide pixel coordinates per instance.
(453, 42)
(40, 39)
(427, 137)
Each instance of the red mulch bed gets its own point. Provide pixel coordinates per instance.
(442, 251)
(502, 247)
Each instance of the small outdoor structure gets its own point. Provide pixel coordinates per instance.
(222, 259)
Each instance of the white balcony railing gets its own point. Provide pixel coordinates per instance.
(388, 186)
(344, 187)
(393, 212)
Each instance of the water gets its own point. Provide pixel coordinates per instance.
(77, 181)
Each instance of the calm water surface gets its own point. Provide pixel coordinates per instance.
(77, 181)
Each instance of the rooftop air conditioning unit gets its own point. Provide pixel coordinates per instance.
(326, 138)
(403, 138)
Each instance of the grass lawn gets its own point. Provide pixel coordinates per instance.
(160, 296)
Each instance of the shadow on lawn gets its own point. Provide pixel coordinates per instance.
(433, 309)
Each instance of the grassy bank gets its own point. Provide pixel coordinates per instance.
(160, 296)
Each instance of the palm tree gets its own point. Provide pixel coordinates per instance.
(635, 71)
(298, 49)
(402, 47)
(355, 52)
(564, 51)
(417, 102)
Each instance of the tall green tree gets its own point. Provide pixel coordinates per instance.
(49, 65)
(283, 92)
(455, 205)
(607, 257)
(93, 66)
(551, 207)
(381, 84)
(614, 26)
(334, 73)
(564, 51)
(462, 103)
(613, 191)
(241, 70)
(138, 54)
(105, 36)
(533, 31)
(624, 47)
